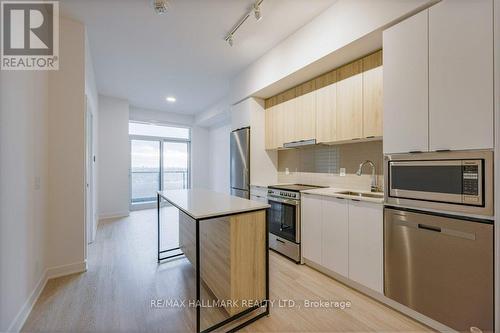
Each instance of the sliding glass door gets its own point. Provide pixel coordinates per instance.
(145, 170)
(175, 165)
(158, 164)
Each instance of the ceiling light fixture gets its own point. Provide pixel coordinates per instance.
(171, 99)
(255, 10)
(160, 6)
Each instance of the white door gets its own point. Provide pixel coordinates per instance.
(366, 244)
(311, 227)
(405, 52)
(335, 235)
(89, 178)
(461, 75)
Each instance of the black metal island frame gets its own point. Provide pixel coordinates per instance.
(225, 238)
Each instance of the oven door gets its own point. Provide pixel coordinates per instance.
(284, 218)
(440, 180)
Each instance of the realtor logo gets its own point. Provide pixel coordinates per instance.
(30, 35)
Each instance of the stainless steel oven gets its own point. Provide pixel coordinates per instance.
(284, 223)
(451, 181)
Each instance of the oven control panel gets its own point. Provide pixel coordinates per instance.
(471, 182)
(284, 194)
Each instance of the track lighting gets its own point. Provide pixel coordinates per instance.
(230, 39)
(255, 10)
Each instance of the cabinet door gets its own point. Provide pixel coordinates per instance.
(311, 227)
(269, 127)
(335, 235)
(372, 102)
(350, 107)
(405, 52)
(305, 117)
(461, 75)
(366, 244)
(289, 116)
(326, 114)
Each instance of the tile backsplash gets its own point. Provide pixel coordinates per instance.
(321, 164)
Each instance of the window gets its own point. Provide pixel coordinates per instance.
(160, 160)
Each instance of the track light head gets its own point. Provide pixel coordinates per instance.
(256, 12)
(230, 39)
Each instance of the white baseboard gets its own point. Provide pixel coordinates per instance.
(114, 215)
(18, 322)
(50, 273)
(63, 270)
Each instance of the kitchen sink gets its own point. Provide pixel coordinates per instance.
(362, 194)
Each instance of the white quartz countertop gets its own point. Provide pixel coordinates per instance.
(201, 203)
(333, 192)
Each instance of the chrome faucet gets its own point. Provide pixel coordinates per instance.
(374, 186)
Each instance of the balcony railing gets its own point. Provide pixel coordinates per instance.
(146, 183)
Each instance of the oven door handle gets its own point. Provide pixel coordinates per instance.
(286, 201)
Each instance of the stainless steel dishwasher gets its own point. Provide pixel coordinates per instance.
(440, 266)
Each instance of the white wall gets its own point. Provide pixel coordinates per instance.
(114, 157)
(23, 204)
(93, 106)
(219, 157)
(67, 150)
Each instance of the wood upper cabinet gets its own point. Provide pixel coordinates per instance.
(461, 75)
(274, 130)
(350, 102)
(366, 244)
(405, 119)
(305, 117)
(288, 117)
(326, 114)
(372, 95)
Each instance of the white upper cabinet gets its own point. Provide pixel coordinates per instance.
(461, 75)
(405, 53)
(366, 244)
(335, 235)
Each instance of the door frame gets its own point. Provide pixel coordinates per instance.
(90, 218)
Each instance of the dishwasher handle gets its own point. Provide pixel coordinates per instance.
(429, 227)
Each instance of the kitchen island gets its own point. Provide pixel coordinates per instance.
(225, 239)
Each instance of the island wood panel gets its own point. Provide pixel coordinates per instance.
(248, 267)
(232, 255)
(326, 114)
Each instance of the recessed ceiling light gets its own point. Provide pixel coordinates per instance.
(171, 99)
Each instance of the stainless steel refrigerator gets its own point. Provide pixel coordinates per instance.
(240, 162)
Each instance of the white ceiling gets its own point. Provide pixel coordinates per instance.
(144, 57)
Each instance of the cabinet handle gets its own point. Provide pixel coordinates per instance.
(339, 198)
(415, 151)
(370, 137)
(279, 240)
(429, 227)
(355, 200)
(442, 150)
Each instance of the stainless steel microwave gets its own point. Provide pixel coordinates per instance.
(451, 181)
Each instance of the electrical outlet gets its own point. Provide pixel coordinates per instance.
(342, 172)
(287, 171)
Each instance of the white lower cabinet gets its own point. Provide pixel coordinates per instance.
(334, 243)
(311, 231)
(345, 237)
(366, 244)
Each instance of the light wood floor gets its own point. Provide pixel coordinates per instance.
(115, 294)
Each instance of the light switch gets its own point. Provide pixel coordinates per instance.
(342, 172)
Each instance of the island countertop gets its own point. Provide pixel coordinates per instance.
(202, 203)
